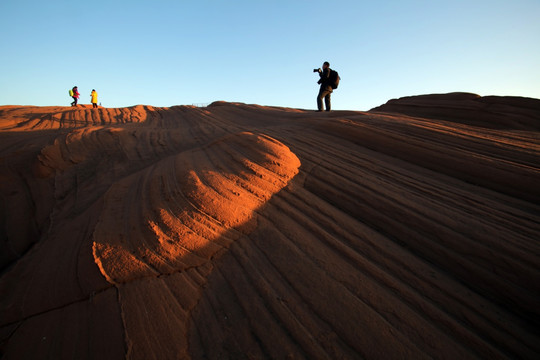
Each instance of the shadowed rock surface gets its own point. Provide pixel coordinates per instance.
(496, 112)
(243, 231)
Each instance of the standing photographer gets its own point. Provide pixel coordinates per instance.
(326, 87)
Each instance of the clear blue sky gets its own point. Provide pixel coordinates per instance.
(165, 53)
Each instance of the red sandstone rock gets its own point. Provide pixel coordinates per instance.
(242, 231)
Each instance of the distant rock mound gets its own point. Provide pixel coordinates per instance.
(497, 112)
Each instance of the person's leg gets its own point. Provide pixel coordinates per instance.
(323, 94)
(320, 96)
(75, 101)
(327, 101)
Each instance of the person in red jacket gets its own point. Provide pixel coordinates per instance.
(75, 96)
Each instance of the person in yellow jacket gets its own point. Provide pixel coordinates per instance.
(93, 95)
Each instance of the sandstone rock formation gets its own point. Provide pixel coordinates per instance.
(243, 231)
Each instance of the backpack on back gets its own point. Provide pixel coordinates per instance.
(71, 92)
(334, 79)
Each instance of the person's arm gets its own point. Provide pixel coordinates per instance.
(321, 75)
(325, 75)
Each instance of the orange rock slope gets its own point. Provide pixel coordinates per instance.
(242, 231)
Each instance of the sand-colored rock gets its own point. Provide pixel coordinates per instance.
(243, 231)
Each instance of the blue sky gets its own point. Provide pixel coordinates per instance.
(166, 53)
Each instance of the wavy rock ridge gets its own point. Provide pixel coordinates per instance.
(239, 231)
